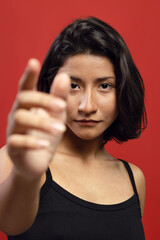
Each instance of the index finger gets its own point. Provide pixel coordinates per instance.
(28, 80)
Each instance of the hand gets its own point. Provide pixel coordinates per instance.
(36, 122)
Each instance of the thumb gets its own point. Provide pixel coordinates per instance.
(61, 85)
(28, 80)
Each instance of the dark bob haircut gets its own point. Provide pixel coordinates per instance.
(93, 36)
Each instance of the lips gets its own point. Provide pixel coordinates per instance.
(87, 122)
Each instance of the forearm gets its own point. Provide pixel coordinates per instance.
(19, 201)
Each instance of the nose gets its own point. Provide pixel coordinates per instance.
(88, 102)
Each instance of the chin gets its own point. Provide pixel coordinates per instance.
(87, 136)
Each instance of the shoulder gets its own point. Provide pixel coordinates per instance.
(5, 164)
(140, 184)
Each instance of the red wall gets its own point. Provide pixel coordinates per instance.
(27, 30)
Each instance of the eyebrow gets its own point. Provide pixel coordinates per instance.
(101, 79)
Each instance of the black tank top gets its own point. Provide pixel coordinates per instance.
(63, 216)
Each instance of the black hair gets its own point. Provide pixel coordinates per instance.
(93, 36)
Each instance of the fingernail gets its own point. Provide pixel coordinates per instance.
(43, 143)
(60, 104)
(58, 126)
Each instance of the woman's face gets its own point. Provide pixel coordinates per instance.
(91, 104)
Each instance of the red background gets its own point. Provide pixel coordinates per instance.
(28, 28)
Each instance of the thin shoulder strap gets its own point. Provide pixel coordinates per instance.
(48, 175)
(46, 185)
(129, 170)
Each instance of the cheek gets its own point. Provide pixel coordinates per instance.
(71, 107)
(109, 107)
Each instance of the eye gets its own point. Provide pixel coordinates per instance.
(74, 86)
(105, 86)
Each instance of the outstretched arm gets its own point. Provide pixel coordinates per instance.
(36, 125)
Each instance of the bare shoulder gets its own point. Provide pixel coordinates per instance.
(140, 184)
(5, 164)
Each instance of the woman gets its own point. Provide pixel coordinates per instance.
(58, 181)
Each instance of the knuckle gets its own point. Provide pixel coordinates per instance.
(24, 97)
(11, 141)
(21, 96)
(62, 104)
(40, 112)
(57, 126)
(42, 123)
(18, 101)
(19, 113)
(58, 105)
(19, 141)
(43, 99)
(26, 141)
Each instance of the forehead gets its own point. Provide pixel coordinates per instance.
(88, 64)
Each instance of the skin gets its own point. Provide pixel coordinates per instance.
(90, 97)
(39, 140)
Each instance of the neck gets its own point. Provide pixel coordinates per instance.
(85, 150)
